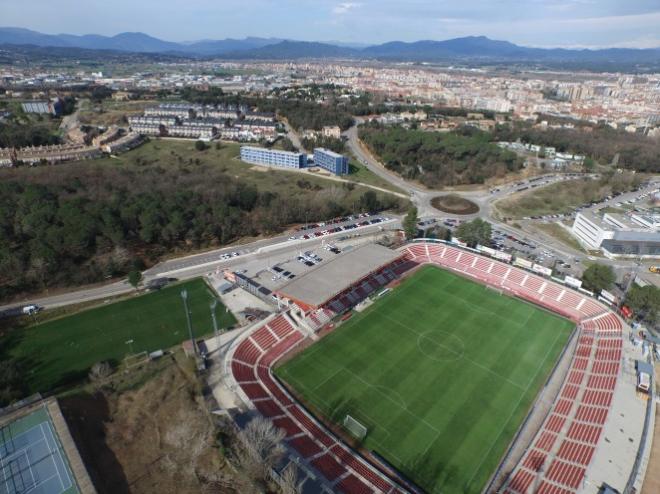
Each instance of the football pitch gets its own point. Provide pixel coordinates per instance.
(61, 351)
(441, 371)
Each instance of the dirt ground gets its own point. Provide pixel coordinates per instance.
(156, 437)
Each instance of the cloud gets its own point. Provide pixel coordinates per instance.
(345, 7)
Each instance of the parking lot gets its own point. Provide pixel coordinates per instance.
(274, 270)
(520, 246)
(344, 223)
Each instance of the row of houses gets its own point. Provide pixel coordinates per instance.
(205, 122)
(222, 111)
(111, 142)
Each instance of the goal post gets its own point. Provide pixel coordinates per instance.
(355, 428)
(497, 290)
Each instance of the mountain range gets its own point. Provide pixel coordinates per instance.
(479, 48)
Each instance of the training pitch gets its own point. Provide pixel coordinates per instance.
(32, 459)
(62, 350)
(441, 370)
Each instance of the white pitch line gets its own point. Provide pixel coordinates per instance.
(514, 409)
(51, 454)
(477, 364)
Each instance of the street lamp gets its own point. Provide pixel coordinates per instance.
(130, 345)
(184, 297)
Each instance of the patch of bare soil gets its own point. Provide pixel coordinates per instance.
(157, 437)
(454, 204)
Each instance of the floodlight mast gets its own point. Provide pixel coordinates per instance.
(213, 305)
(184, 296)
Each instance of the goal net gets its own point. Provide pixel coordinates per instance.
(499, 291)
(355, 428)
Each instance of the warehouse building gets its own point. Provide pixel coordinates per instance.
(272, 157)
(331, 161)
(618, 235)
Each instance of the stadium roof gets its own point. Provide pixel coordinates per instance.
(325, 281)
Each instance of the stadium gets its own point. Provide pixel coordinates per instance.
(433, 368)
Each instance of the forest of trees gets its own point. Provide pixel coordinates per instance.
(19, 135)
(463, 157)
(331, 143)
(600, 142)
(308, 115)
(87, 223)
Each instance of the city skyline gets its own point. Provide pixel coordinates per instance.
(547, 23)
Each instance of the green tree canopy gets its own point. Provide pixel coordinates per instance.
(12, 385)
(134, 278)
(644, 302)
(410, 223)
(474, 232)
(598, 277)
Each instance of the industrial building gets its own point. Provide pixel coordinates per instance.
(272, 157)
(331, 161)
(619, 235)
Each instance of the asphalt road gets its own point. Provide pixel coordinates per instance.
(485, 199)
(195, 265)
(203, 263)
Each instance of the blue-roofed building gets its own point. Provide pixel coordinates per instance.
(331, 161)
(272, 157)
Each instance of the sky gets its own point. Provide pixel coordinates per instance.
(545, 23)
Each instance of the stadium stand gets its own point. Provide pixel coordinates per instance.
(561, 450)
(342, 467)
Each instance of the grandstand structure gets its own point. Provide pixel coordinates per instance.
(561, 451)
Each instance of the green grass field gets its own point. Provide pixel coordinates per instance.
(61, 351)
(441, 370)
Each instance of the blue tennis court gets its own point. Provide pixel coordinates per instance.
(31, 458)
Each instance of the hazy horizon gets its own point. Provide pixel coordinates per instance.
(538, 23)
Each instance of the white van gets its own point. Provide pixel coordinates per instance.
(30, 309)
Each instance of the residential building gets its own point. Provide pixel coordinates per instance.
(53, 107)
(272, 157)
(332, 131)
(331, 161)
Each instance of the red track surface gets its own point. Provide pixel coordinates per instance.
(562, 449)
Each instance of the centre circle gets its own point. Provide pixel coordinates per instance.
(441, 346)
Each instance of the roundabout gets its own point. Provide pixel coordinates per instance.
(454, 204)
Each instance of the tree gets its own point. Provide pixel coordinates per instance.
(99, 93)
(588, 165)
(12, 382)
(644, 301)
(261, 448)
(598, 277)
(100, 371)
(287, 145)
(134, 278)
(474, 232)
(410, 223)
(200, 146)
